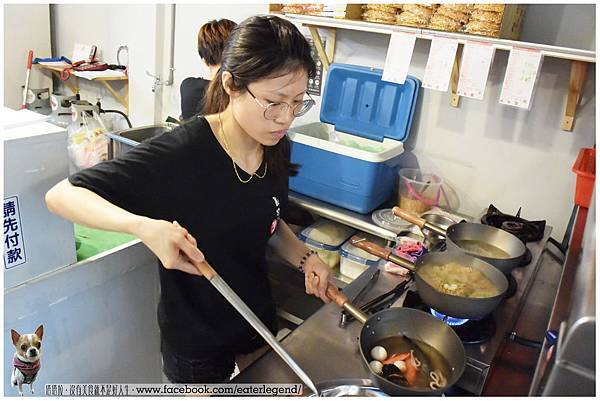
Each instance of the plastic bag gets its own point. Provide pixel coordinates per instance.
(87, 143)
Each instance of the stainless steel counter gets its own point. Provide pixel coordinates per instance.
(324, 350)
(327, 352)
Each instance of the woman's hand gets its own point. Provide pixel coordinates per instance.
(172, 244)
(316, 277)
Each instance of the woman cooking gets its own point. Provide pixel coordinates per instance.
(215, 187)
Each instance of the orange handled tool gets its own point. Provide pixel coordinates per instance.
(29, 63)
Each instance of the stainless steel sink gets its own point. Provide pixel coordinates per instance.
(122, 141)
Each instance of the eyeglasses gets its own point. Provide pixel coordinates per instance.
(273, 111)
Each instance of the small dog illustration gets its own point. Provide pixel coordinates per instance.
(26, 362)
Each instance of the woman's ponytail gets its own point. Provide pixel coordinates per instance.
(215, 98)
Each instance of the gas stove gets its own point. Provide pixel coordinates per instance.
(483, 337)
(525, 230)
(470, 331)
(327, 351)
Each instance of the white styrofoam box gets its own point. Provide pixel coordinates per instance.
(12, 118)
(35, 159)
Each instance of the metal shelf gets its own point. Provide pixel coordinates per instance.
(579, 58)
(359, 221)
(566, 53)
(587, 56)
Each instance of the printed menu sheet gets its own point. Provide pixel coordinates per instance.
(440, 63)
(474, 69)
(521, 75)
(398, 57)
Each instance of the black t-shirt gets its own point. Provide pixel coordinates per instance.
(186, 176)
(192, 93)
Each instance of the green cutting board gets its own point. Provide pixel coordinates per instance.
(90, 241)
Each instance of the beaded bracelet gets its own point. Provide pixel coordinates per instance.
(304, 259)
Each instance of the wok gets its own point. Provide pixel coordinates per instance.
(489, 235)
(412, 323)
(450, 305)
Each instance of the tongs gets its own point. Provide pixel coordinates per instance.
(344, 318)
(384, 300)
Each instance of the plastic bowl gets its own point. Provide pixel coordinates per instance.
(418, 191)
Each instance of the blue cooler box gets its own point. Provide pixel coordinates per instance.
(351, 158)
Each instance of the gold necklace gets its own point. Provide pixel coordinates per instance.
(233, 161)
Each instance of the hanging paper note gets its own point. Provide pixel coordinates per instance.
(474, 69)
(440, 63)
(521, 75)
(398, 57)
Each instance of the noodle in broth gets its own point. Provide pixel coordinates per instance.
(482, 249)
(455, 279)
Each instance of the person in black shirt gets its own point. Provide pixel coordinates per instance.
(211, 39)
(215, 188)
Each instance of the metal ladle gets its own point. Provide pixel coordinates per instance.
(217, 281)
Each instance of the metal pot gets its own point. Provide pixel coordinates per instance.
(450, 305)
(412, 323)
(456, 233)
